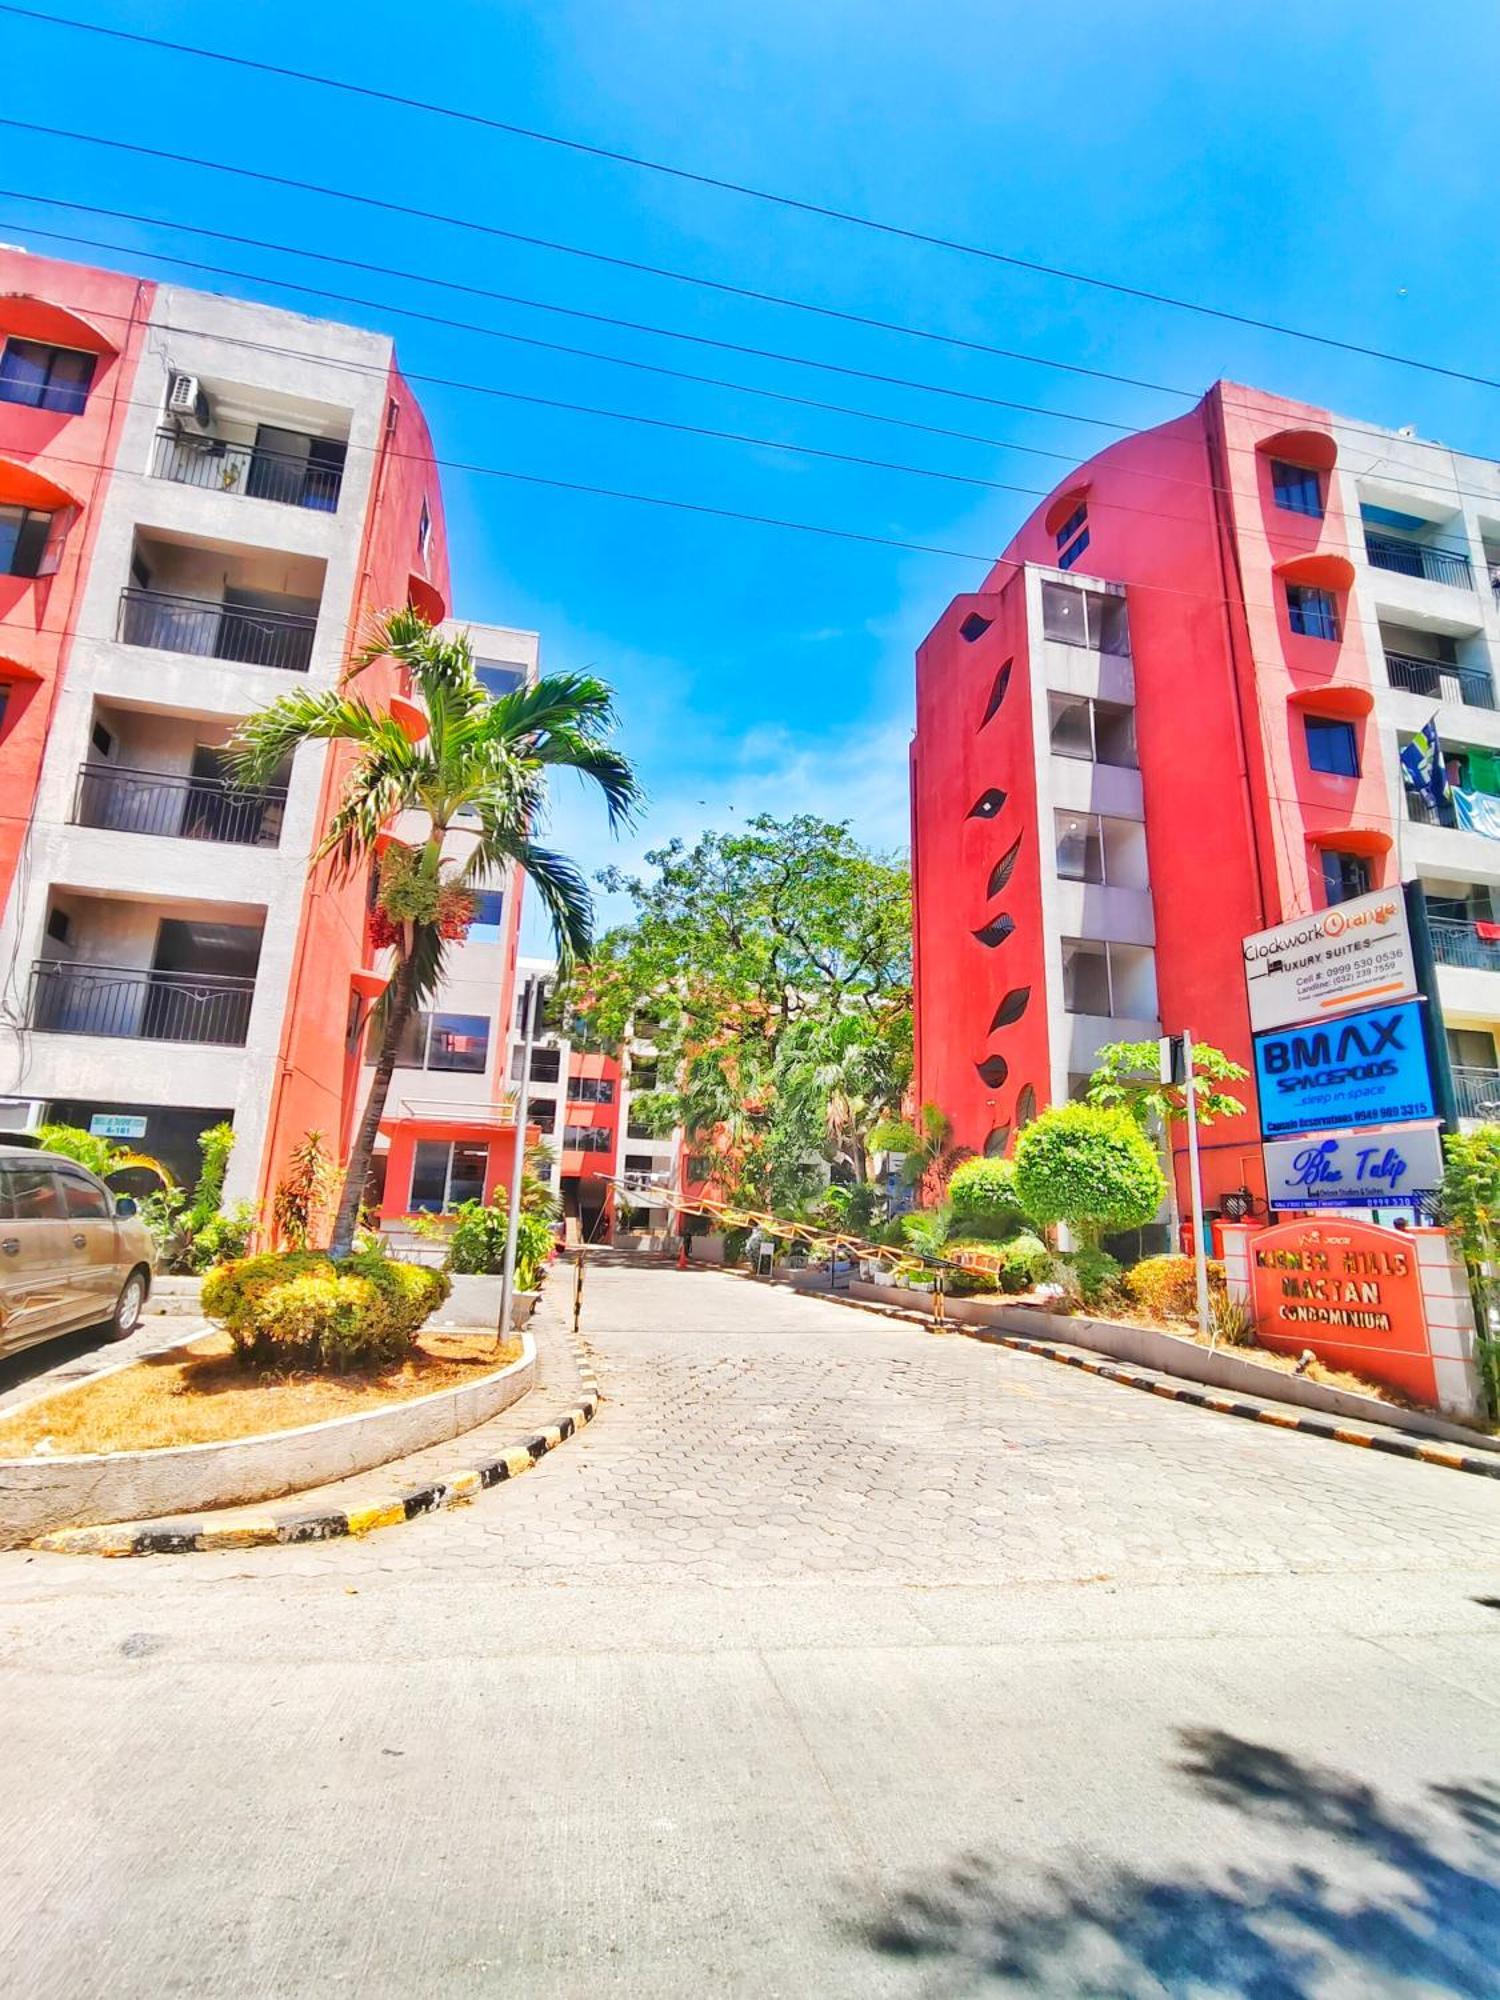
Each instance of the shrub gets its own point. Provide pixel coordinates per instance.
(477, 1244)
(1026, 1262)
(300, 1309)
(1094, 1170)
(734, 1245)
(1231, 1321)
(984, 1200)
(1097, 1273)
(1167, 1287)
(966, 1284)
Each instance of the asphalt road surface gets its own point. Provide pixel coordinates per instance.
(835, 1658)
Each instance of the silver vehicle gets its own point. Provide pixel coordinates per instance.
(72, 1253)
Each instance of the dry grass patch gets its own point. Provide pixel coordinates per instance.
(1267, 1357)
(198, 1394)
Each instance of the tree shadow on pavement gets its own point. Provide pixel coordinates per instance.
(1365, 1901)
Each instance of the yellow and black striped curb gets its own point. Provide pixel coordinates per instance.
(1177, 1392)
(288, 1523)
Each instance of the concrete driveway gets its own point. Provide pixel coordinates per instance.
(835, 1658)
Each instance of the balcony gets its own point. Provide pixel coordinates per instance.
(1455, 943)
(140, 1003)
(217, 629)
(1441, 680)
(311, 478)
(1478, 1093)
(121, 800)
(1419, 559)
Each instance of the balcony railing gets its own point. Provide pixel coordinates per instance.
(1440, 680)
(1455, 943)
(181, 808)
(1478, 1093)
(218, 466)
(140, 1004)
(1418, 559)
(216, 631)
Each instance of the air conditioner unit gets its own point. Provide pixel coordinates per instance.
(187, 402)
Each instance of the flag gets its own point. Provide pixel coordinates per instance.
(1422, 765)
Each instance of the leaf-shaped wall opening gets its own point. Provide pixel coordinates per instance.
(994, 1070)
(997, 932)
(1005, 867)
(974, 626)
(997, 693)
(1011, 1008)
(988, 804)
(996, 1143)
(1025, 1106)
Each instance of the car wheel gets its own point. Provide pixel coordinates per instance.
(129, 1307)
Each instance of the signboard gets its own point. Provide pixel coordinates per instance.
(1358, 1069)
(1388, 1168)
(1348, 956)
(1351, 1292)
(107, 1125)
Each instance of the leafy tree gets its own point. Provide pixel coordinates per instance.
(1093, 1169)
(984, 1198)
(1127, 1077)
(488, 759)
(101, 1156)
(1470, 1204)
(304, 1192)
(929, 1155)
(771, 969)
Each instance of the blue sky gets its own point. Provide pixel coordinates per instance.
(1333, 167)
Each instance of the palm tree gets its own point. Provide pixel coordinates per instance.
(485, 759)
(927, 1146)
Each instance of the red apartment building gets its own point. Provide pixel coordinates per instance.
(1171, 716)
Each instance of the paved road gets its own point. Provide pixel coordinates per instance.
(835, 1658)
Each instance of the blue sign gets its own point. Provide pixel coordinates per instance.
(1391, 1168)
(1361, 1069)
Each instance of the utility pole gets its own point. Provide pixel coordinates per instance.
(531, 1001)
(1169, 1046)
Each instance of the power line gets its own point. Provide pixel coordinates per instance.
(801, 205)
(491, 229)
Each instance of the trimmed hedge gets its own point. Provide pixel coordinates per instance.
(984, 1199)
(1167, 1287)
(299, 1309)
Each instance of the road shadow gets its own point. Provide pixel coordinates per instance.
(1410, 1903)
(30, 1363)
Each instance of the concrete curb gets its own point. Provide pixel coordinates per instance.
(1173, 1391)
(288, 1523)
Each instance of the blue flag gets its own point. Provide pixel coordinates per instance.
(1422, 765)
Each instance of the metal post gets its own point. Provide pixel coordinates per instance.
(529, 1006)
(1195, 1179)
(578, 1289)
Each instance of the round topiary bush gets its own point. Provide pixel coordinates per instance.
(984, 1200)
(299, 1309)
(1094, 1170)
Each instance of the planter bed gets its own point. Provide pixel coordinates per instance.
(38, 1493)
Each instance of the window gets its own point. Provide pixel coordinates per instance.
(587, 1138)
(499, 677)
(1073, 523)
(424, 532)
(59, 924)
(639, 1163)
(700, 1167)
(4, 703)
(1332, 746)
(1099, 732)
(445, 1041)
(643, 1076)
(45, 378)
(546, 1065)
(489, 908)
(102, 740)
(1094, 848)
(1344, 876)
(590, 1090)
(541, 1110)
(1311, 612)
(1296, 487)
(1092, 618)
(87, 1201)
(444, 1174)
(1109, 979)
(30, 1194)
(25, 541)
(1070, 556)
(1085, 978)
(1073, 536)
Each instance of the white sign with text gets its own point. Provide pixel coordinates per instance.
(1355, 954)
(1383, 1168)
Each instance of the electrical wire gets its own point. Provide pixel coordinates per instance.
(799, 204)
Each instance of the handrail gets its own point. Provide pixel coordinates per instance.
(1419, 559)
(220, 465)
(210, 628)
(139, 1003)
(1426, 677)
(123, 799)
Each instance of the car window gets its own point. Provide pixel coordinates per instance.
(35, 1195)
(86, 1200)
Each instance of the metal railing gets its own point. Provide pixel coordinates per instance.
(218, 466)
(123, 800)
(140, 1004)
(1455, 943)
(1441, 680)
(1477, 1092)
(217, 631)
(1419, 559)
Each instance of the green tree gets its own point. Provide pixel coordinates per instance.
(772, 971)
(487, 759)
(1470, 1204)
(925, 1144)
(1093, 1169)
(984, 1199)
(101, 1156)
(1127, 1077)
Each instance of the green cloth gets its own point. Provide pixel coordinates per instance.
(1484, 772)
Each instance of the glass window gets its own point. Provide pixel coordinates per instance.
(1109, 626)
(4, 703)
(591, 1090)
(444, 1175)
(1296, 487)
(467, 1167)
(1344, 876)
(546, 1065)
(23, 538)
(1085, 977)
(1332, 746)
(1080, 849)
(86, 1199)
(424, 532)
(499, 677)
(35, 1194)
(1063, 615)
(1071, 554)
(458, 1041)
(1073, 523)
(1072, 725)
(1114, 734)
(1313, 613)
(45, 378)
(587, 1138)
(489, 909)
